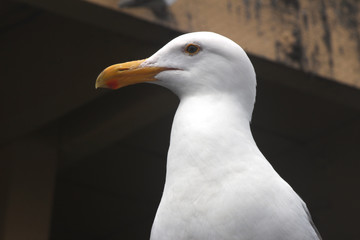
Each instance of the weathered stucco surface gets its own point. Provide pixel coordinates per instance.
(320, 37)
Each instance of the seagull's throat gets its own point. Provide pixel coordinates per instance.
(204, 129)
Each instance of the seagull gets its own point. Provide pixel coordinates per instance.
(218, 186)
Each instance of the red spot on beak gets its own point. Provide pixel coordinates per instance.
(112, 84)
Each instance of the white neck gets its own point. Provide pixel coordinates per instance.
(212, 154)
(201, 124)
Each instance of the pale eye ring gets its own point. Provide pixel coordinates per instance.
(192, 49)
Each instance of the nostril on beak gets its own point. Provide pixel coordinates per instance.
(122, 69)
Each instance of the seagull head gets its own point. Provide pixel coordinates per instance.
(193, 64)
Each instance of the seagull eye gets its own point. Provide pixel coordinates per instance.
(192, 49)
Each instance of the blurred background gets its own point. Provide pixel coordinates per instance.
(79, 163)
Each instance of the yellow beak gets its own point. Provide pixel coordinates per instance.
(124, 74)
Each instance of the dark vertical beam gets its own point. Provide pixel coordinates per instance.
(28, 167)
